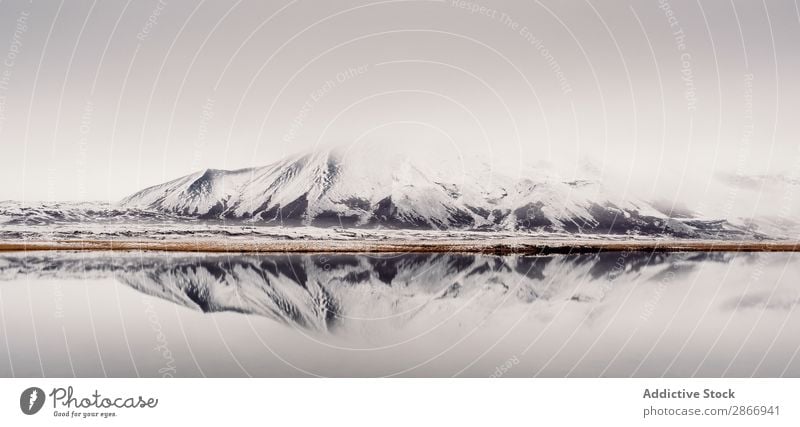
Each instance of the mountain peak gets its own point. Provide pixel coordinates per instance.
(344, 187)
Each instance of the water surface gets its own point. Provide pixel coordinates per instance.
(614, 314)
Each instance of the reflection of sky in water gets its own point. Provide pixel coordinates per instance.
(614, 314)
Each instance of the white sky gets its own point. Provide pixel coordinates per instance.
(91, 108)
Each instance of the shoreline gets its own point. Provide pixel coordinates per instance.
(488, 246)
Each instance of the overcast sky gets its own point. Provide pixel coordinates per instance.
(99, 99)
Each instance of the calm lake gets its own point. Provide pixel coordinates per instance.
(129, 314)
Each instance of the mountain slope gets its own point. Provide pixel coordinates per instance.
(337, 188)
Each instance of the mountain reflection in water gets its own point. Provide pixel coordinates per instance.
(613, 313)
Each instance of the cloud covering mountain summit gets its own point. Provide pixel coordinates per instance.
(335, 187)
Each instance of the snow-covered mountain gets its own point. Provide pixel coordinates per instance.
(337, 188)
(43, 213)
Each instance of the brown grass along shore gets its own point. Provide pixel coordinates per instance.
(489, 246)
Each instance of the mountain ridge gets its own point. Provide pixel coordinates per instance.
(333, 187)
